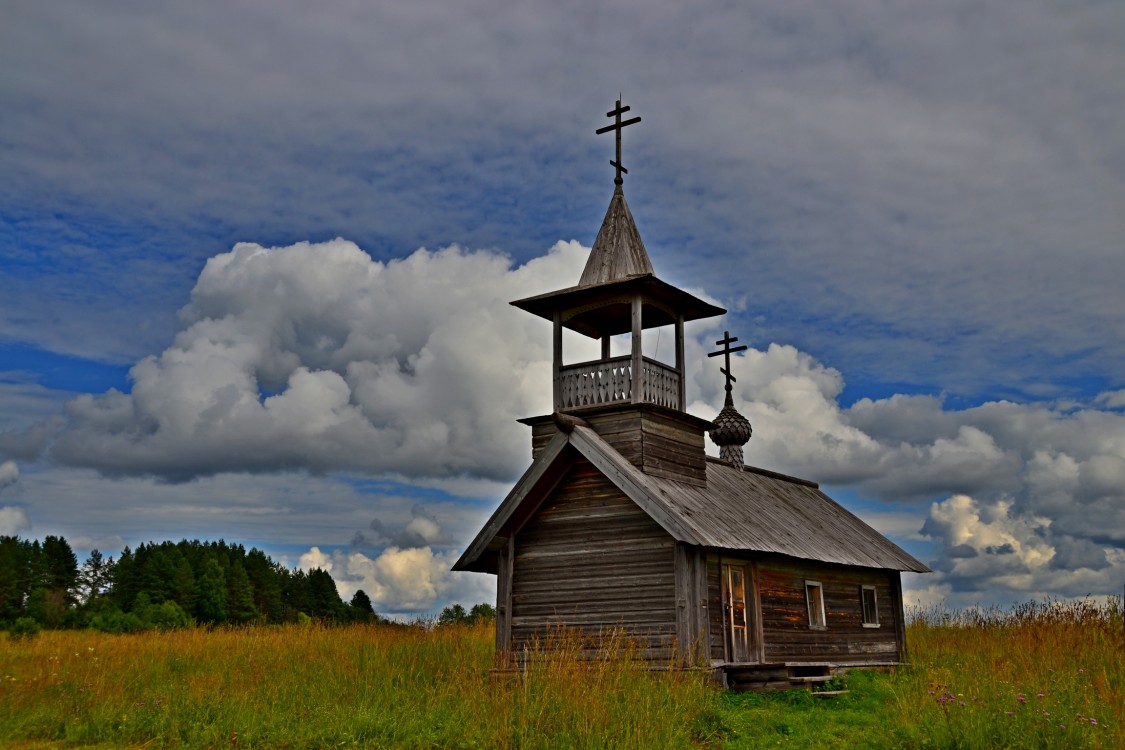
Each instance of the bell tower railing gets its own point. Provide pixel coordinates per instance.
(610, 381)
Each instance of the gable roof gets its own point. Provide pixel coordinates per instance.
(752, 510)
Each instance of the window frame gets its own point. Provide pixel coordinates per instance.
(874, 622)
(818, 617)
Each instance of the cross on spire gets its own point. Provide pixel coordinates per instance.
(617, 126)
(727, 350)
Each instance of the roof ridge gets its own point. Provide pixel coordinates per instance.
(768, 473)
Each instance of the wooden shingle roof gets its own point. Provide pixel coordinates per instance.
(618, 252)
(752, 510)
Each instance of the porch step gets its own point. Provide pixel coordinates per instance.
(811, 678)
(828, 693)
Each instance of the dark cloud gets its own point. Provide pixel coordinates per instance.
(920, 194)
(423, 530)
(940, 184)
(958, 551)
(1071, 554)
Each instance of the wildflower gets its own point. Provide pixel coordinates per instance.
(1022, 698)
(1081, 670)
(1040, 695)
(1093, 721)
(1010, 713)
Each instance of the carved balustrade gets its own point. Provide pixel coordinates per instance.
(610, 381)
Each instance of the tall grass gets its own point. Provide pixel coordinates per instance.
(297, 687)
(1043, 675)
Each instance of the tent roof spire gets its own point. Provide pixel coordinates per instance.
(618, 252)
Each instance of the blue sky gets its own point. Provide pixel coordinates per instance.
(217, 318)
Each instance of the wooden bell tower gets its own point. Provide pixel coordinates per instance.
(635, 402)
(618, 293)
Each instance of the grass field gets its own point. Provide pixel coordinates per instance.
(1039, 676)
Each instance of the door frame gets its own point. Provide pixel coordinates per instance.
(734, 633)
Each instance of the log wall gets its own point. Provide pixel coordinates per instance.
(786, 633)
(658, 442)
(590, 559)
(781, 631)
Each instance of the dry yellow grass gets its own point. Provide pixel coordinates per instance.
(1042, 676)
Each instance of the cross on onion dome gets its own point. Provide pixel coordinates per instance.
(617, 125)
(727, 350)
(729, 430)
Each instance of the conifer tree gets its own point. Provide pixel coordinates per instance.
(240, 595)
(362, 603)
(211, 594)
(95, 578)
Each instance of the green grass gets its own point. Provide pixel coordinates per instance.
(383, 686)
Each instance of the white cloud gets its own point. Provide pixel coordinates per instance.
(402, 581)
(1112, 399)
(1031, 497)
(13, 520)
(988, 547)
(314, 559)
(315, 356)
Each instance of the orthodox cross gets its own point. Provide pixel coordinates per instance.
(727, 350)
(617, 125)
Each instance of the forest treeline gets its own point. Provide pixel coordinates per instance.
(162, 585)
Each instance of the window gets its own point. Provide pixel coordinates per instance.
(870, 608)
(814, 595)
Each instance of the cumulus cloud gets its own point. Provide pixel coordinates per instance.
(1026, 498)
(1062, 461)
(989, 546)
(316, 357)
(401, 581)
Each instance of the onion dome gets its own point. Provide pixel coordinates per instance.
(730, 431)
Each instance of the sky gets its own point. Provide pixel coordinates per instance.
(256, 259)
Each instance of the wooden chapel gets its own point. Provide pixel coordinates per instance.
(623, 523)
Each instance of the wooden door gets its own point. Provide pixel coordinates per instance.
(737, 620)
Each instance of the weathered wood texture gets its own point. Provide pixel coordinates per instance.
(785, 616)
(658, 442)
(504, 598)
(613, 381)
(715, 610)
(590, 559)
(692, 631)
(618, 251)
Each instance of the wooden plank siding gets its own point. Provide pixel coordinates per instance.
(786, 634)
(659, 442)
(715, 610)
(692, 628)
(589, 558)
